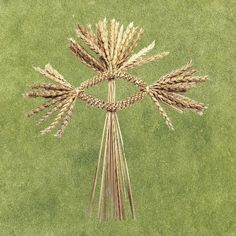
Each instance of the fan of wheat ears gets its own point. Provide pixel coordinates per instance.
(109, 51)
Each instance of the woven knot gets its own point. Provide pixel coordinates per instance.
(147, 89)
(78, 91)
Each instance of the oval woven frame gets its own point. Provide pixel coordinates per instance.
(116, 106)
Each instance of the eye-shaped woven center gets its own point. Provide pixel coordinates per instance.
(116, 106)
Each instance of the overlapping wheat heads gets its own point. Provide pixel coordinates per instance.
(112, 46)
(61, 99)
(170, 87)
(109, 51)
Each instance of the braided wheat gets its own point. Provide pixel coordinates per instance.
(108, 50)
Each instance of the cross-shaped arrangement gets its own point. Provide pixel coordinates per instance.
(109, 52)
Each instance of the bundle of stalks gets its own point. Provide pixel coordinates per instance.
(61, 99)
(108, 50)
(115, 189)
(168, 88)
(112, 46)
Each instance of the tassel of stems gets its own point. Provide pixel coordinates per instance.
(115, 189)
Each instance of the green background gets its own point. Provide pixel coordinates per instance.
(183, 181)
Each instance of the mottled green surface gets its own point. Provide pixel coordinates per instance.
(183, 181)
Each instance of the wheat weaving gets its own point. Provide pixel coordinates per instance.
(108, 49)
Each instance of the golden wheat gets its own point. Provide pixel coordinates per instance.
(108, 50)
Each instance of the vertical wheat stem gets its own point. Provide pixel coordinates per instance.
(115, 182)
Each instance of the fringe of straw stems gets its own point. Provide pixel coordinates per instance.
(115, 181)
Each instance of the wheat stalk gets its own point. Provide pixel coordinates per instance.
(137, 56)
(125, 40)
(46, 105)
(162, 112)
(59, 116)
(176, 73)
(112, 39)
(104, 37)
(52, 74)
(84, 56)
(118, 45)
(133, 45)
(115, 182)
(55, 108)
(142, 60)
(66, 119)
(50, 86)
(91, 42)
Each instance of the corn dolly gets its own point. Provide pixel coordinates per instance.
(109, 52)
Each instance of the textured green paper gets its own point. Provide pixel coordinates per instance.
(183, 181)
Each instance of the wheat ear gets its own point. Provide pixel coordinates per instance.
(112, 38)
(52, 74)
(58, 117)
(45, 106)
(84, 56)
(91, 42)
(125, 40)
(66, 119)
(133, 45)
(162, 112)
(118, 45)
(133, 59)
(55, 108)
(141, 61)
